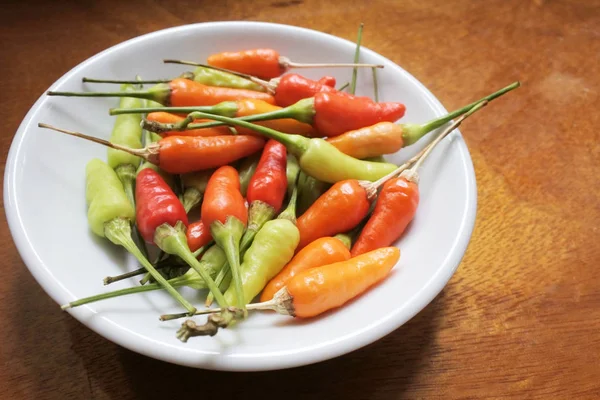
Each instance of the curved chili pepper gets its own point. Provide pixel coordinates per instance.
(395, 208)
(180, 93)
(310, 293)
(224, 211)
(182, 154)
(338, 210)
(265, 63)
(168, 118)
(269, 182)
(323, 251)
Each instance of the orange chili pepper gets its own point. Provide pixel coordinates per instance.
(223, 198)
(370, 141)
(181, 92)
(265, 63)
(320, 289)
(323, 251)
(168, 118)
(339, 209)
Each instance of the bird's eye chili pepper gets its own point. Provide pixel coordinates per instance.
(331, 113)
(266, 190)
(194, 184)
(211, 261)
(180, 93)
(272, 248)
(291, 88)
(347, 202)
(397, 202)
(162, 220)
(309, 190)
(224, 212)
(168, 118)
(266, 63)
(310, 293)
(127, 131)
(182, 154)
(110, 215)
(323, 251)
(387, 138)
(316, 157)
(205, 75)
(198, 235)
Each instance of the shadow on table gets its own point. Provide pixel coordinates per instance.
(384, 367)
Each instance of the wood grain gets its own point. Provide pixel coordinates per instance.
(520, 318)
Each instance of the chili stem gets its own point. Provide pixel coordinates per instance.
(356, 57)
(375, 86)
(118, 231)
(112, 279)
(92, 80)
(228, 236)
(172, 240)
(344, 86)
(291, 64)
(143, 153)
(227, 108)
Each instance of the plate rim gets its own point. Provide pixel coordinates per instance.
(102, 326)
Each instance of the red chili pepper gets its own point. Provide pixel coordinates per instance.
(292, 88)
(327, 80)
(156, 204)
(198, 235)
(224, 211)
(336, 113)
(269, 182)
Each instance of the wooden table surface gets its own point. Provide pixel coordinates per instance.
(520, 318)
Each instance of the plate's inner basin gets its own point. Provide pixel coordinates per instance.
(47, 189)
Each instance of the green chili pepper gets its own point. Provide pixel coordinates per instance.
(127, 131)
(110, 215)
(376, 159)
(213, 77)
(246, 170)
(273, 247)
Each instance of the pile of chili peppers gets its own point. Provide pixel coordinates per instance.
(296, 203)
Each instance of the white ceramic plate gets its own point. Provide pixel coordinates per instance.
(45, 205)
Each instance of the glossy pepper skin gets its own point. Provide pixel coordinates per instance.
(323, 251)
(181, 154)
(370, 141)
(317, 290)
(336, 113)
(395, 208)
(156, 204)
(186, 93)
(198, 235)
(338, 210)
(293, 88)
(223, 198)
(269, 182)
(105, 196)
(262, 63)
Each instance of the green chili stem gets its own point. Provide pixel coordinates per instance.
(345, 238)
(295, 144)
(344, 86)
(172, 240)
(226, 108)
(115, 293)
(221, 282)
(228, 236)
(118, 231)
(159, 93)
(413, 132)
(112, 279)
(356, 57)
(92, 80)
(290, 211)
(191, 197)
